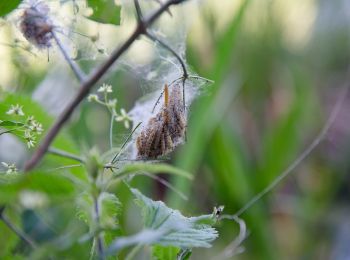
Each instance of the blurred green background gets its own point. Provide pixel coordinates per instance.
(278, 67)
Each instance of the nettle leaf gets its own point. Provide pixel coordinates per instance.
(54, 185)
(167, 227)
(164, 252)
(8, 6)
(109, 206)
(110, 209)
(84, 210)
(105, 11)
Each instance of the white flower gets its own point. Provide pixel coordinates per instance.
(30, 120)
(15, 110)
(36, 127)
(29, 138)
(124, 117)
(92, 97)
(11, 168)
(105, 88)
(112, 103)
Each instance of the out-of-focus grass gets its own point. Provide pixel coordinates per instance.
(266, 105)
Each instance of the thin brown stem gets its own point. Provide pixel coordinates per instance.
(65, 154)
(90, 81)
(166, 46)
(17, 231)
(75, 68)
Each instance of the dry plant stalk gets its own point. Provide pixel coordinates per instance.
(166, 130)
(36, 26)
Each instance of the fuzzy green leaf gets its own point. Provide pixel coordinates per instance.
(164, 252)
(105, 11)
(110, 208)
(167, 227)
(8, 6)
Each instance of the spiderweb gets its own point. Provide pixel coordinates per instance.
(162, 67)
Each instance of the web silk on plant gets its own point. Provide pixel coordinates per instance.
(165, 65)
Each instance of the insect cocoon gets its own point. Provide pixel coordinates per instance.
(36, 26)
(165, 130)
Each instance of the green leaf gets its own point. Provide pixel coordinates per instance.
(8, 6)
(152, 168)
(110, 208)
(167, 227)
(164, 252)
(10, 123)
(54, 185)
(105, 11)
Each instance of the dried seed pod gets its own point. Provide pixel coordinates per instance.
(36, 26)
(166, 130)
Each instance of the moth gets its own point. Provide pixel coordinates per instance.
(166, 129)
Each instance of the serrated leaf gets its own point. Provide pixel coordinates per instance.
(166, 227)
(152, 168)
(110, 208)
(84, 209)
(105, 11)
(164, 252)
(8, 6)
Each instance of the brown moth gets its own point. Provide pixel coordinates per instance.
(166, 130)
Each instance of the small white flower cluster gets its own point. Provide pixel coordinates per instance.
(10, 168)
(110, 104)
(30, 126)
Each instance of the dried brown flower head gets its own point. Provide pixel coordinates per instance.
(166, 130)
(36, 26)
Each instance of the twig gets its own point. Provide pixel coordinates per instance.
(91, 81)
(138, 10)
(319, 138)
(99, 242)
(166, 46)
(75, 68)
(17, 231)
(65, 154)
(184, 70)
(116, 156)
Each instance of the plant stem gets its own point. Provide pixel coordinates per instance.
(166, 46)
(17, 231)
(111, 131)
(65, 154)
(91, 80)
(133, 252)
(98, 238)
(75, 68)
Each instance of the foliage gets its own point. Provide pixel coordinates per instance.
(278, 69)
